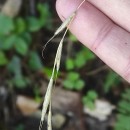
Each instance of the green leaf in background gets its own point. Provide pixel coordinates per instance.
(44, 14)
(123, 118)
(6, 24)
(20, 81)
(124, 105)
(73, 81)
(79, 84)
(82, 57)
(33, 24)
(126, 94)
(27, 37)
(9, 42)
(89, 99)
(69, 64)
(3, 59)
(37, 94)
(47, 71)
(15, 68)
(35, 61)
(89, 55)
(68, 84)
(112, 80)
(123, 122)
(88, 103)
(2, 39)
(80, 60)
(73, 76)
(21, 46)
(15, 65)
(92, 95)
(20, 25)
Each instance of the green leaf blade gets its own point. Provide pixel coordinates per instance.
(3, 59)
(6, 24)
(69, 64)
(21, 46)
(35, 61)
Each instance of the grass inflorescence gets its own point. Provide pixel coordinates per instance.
(56, 67)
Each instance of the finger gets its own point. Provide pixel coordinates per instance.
(109, 41)
(117, 10)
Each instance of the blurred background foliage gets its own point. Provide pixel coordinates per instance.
(17, 47)
(23, 33)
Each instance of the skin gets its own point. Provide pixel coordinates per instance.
(104, 27)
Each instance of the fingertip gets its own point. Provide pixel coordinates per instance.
(65, 7)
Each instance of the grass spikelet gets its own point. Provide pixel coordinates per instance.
(62, 26)
(65, 23)
(58, 55)
(60, 29)
(59, 51)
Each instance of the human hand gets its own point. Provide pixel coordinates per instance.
(104, 27)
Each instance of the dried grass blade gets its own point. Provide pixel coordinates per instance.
(46, 101)
(49, 118)
(65, 23)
